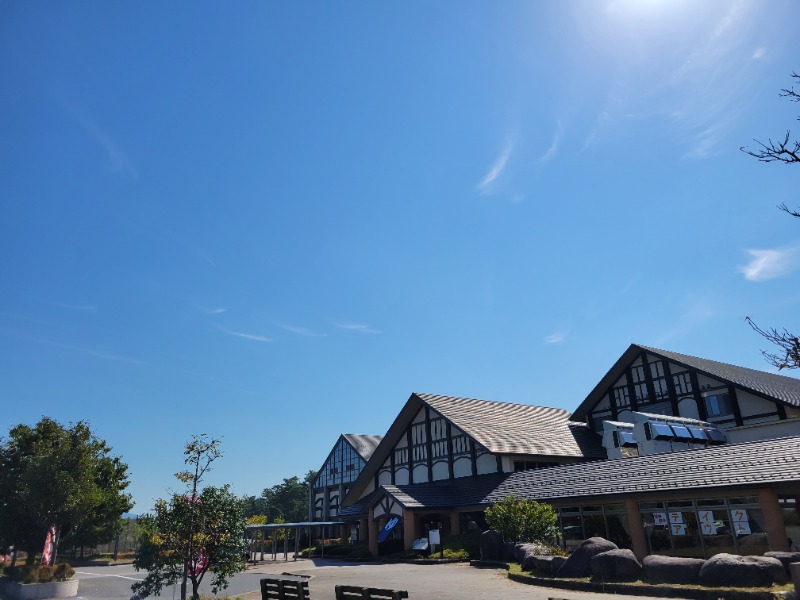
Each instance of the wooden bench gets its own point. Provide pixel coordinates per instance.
(352, 592)
(284, 587)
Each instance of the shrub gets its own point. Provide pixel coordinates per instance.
(40, 573)
(522, 520)
(62, 572)
(470, 543)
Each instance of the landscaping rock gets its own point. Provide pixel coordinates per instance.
(742, 571)
(672, 569)
(616, 565)
(508, 551)
(548, 564)
(522, 551)
(492, 546)
(579, 563)
(786, 558)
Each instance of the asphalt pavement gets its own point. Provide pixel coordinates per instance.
(456, 581)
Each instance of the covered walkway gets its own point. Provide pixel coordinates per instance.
(257, 536)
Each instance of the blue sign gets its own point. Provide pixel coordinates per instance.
(387, 529)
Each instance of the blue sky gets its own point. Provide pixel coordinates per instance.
(273, 222)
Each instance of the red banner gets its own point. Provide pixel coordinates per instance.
(49, 545)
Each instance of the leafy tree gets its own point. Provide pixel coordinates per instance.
(254, 505)
(208, 530)
(289, 500)
(522, 520)
(52, 474)
(786, 151)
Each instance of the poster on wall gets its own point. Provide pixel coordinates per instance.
(707, 524)
(659, 518)
(739, 515)
(678, 528)
(742, 528)
(676, 517)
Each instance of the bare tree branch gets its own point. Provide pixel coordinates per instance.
(789, 356)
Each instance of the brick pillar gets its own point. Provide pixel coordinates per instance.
(638, 540)
(773, 520)
(409, 529)
(455, 523)
(372, 533)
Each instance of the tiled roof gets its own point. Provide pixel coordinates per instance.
(752, 464)
(506, 428)
(782, 389)
(364, 444)
(355, 509)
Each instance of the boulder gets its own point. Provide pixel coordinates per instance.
(742, 571)
(616, 565)
(579, 563)
(523, 550)
(786, 558)
(672, 569)
(492, 546)
(548, 564)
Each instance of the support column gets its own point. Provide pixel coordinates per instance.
(372, 533)
(344, 532)
(409, 529)
(638, 541)
(455, 523)
(363, 530)
(773, 520)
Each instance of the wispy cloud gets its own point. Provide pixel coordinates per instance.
(118, 161)
(302, 331)
(497, 169)
(245, 335)
(551, 151)
(89, 352)
(211, 311)
(557, 337)
(358, 328)
(759, 53)
(771, 263)
(76, 307)
(602, 119)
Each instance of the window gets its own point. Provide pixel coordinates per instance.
(621, 396)
(718, 404)
(657, 369)
(530, 465)
(637, 372)
(460, 445)
(624, 439)
(683, 383)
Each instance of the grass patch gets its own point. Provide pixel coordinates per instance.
(515, 569)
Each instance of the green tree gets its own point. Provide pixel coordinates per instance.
(209, 530)
(289, 500)
(66, 476)
(522, 520)
(254, 505)
(786, 151)
(193, 533)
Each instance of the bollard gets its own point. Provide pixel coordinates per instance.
(794, 570)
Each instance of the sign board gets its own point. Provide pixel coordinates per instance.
(433, 537)
(678, 528)
(659, 518)
(738, 515)
(676, 517)
(420, 544)
(741, 527)
(707, 524)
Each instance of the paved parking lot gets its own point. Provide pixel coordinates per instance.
(456, 581)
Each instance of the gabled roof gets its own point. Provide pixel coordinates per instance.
(782, 389)
(500, 427)
(506, 428)
(751, 464)
(363, 444)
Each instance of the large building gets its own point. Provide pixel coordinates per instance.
(668, 454)
(344, 464)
